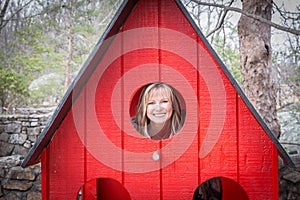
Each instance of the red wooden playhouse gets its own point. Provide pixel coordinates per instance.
(90, 150)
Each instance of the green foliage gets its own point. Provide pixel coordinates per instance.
(13, 87)
(51, 92)
(227, 49)
(30, 55)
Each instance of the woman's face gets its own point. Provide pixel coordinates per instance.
(159, 108)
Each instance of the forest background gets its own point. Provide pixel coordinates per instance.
(44, 43)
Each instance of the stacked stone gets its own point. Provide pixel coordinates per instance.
(18, 133)
(289, 178)
(17, 182)
(289, 182)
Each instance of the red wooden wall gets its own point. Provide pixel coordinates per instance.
(220, 136)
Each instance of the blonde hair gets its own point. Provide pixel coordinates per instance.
(141, 116)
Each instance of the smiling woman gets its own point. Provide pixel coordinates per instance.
(158, 115)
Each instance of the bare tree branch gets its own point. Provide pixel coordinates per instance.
(222, 20)
(3, 21)
(219, 24)
(286, 13)
(290, 143)
(261, 19)
(2, 13)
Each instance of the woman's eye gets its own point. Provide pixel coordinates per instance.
(150, 103)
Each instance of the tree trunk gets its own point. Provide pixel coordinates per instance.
(70, 40)
(256, 63)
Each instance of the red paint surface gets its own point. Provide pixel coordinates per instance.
(242, 153)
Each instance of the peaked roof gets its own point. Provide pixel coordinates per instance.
(88, 68)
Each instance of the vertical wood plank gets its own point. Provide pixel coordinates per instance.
(65, 162)
(180, 177)
(217, 101)
(139, 67)
(256, 173)
(104, 157)
(45, 174)
(217, 98)
(275, 172)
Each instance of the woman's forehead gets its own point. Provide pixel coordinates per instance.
(159, 92)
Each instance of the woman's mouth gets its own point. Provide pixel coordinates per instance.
(159, 114)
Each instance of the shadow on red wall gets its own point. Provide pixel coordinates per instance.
(104, 189)
(220, 188)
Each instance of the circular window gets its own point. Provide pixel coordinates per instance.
(157, 111)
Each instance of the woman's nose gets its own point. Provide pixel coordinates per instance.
(157, 106)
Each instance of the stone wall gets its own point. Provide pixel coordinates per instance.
(18, 133)
(289, 181)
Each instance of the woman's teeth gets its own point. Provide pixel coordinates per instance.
(159, 114)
